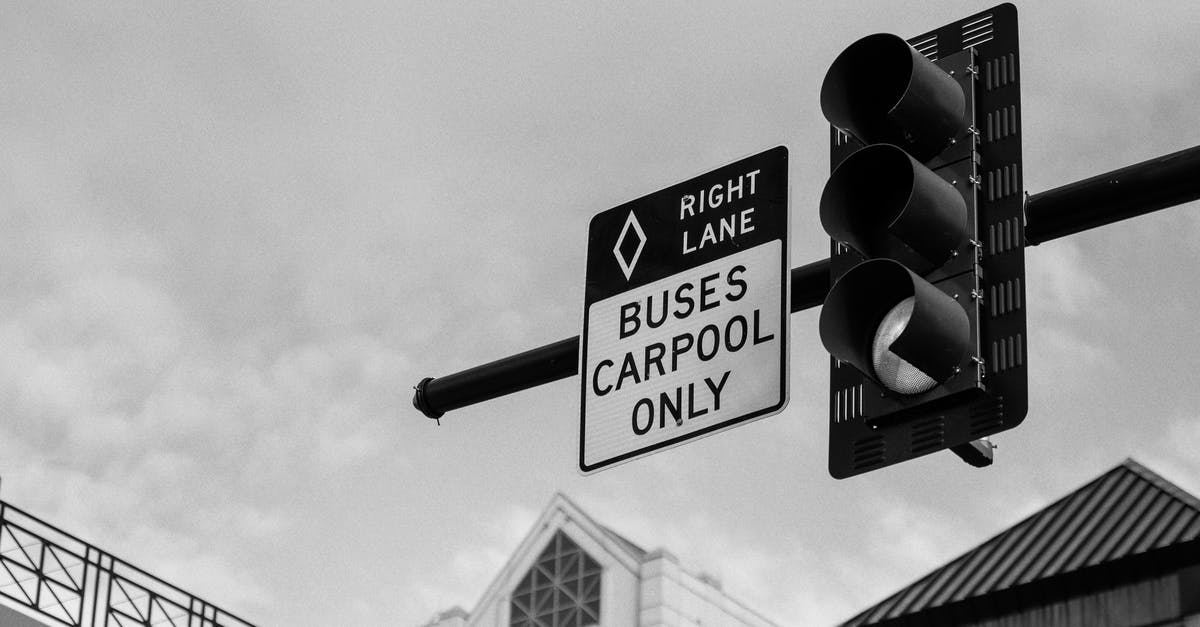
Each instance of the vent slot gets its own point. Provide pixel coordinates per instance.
(985, 416)
(1000, 71)
(869, 452)
(1005, 297)
(1004, 236)
(840, 137)
(927, 46)
(1003, 182)
(847, 403)
(1001, 123)
(1007, 353)
(928, 435)
(977, 31)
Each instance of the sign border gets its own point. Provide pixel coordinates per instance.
(784, 337)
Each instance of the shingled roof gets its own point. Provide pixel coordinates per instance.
(1127, 523)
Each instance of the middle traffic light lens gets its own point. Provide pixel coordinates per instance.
(893, 371)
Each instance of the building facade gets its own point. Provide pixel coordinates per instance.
(572, 571)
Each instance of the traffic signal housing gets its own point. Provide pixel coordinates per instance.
(925, 318)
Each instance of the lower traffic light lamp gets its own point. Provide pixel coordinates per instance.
(896, 328)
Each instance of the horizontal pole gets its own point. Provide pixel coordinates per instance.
(1114, 196)
(1125, 193)
(435, 397)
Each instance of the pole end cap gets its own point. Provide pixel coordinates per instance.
(421, 400)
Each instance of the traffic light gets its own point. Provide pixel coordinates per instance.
(925, 320)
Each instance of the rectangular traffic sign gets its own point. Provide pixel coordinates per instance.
(686, 307)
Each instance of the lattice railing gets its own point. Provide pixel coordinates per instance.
(65, 581)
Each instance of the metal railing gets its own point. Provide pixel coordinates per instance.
(63, 580)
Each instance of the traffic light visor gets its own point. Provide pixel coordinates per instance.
(883, 203)
(895, 327)
(881, 90)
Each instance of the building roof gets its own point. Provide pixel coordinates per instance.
(1090, 538)
(624, 542)
(621, 557)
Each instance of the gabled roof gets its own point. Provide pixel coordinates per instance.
(1089, 537)
(562, 532)
(626, 543)
(560, 511)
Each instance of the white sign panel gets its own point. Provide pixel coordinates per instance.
(686, 313)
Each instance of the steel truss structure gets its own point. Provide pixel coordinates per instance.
(63, 580)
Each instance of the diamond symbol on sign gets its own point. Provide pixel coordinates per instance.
(627, 266)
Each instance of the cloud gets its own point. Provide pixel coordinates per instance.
(150, 522)
(130, 424)
(471, 567)
(1176, 453)
(1056, 349)
(126, 427)
(1060, 283)
(1066, 299)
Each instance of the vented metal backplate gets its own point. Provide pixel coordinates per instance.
(992, 395)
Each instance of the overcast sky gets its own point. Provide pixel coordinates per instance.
(234, 235)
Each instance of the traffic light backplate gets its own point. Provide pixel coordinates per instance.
(871, 427)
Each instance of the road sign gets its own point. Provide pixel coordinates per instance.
(685, 312)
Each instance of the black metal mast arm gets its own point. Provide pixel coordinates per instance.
(544, 364)
(1113, 196)
(435, 397)
(1125, 193)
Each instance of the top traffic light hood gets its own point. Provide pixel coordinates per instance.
(881, 90)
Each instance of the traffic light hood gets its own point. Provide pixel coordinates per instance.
(883, 203)
(935, 340)
(881, 90)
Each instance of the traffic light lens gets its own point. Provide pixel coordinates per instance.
(894, 372)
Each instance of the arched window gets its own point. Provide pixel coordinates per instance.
(561, 589)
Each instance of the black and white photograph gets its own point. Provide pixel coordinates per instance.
(620, 314)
